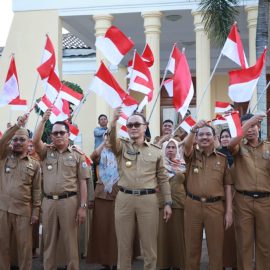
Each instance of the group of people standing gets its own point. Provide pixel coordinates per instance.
(153, 199)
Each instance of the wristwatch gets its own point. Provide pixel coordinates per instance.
(83, 205)
(168, 203)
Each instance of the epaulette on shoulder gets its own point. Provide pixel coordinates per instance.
(267, 142)
(157, 146)
(124, 139)
(75, 148)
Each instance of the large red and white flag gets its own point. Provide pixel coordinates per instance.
(11, 86)
(18, 104)
(233, 48)
(48, 61)
(222, 107)
(107, 87)
(73, 131)
(63, 106)
(141, 79)
(234, 124)
(188, 123)
(243, 82)
(183, 90)
(114, 45)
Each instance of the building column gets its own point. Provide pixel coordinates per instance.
(252, 14)
(102, 23)
(203, 65)
(152, 25)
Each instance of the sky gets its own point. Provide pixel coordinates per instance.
(6, 16)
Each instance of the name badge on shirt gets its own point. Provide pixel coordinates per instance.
(266, 154)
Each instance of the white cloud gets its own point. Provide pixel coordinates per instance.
(6, 15)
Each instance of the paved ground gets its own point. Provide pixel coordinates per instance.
(137, 265)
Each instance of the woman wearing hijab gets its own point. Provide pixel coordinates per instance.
(171, 244)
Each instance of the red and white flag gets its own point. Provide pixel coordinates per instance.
(188, 123)
(233, 48)
(222, 107)
(44, 104)
(168, 84)
(141, 79)
(70, 95)
(88, 160)
(73, 131)
(183, 90)
(18, 104)
(174, 58)
(107, 87)
(63, 106)
(11, 86)
(234, 124)
(243, 82)
(147, 56)
(219, 120)
(114, 45)
(123, 132)
(48, 60)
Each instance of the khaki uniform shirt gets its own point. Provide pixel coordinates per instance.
(20, 181)
(207, 174)
(251, 167)
(62, 171)
(177, 190)
(142, 167)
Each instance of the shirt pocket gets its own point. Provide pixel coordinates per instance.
(217, 172)
(69, 161)
(28, 175)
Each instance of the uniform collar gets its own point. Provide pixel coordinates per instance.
(201, 152)
(144, 143)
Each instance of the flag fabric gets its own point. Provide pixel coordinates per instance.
(168, 84)
(147, 56)
(70, 95)
(88, 160)
(243, 82)
(114, 45)
(44, 104)
(234, 124)
(73, 131)
(188, 123)
(222, 107)
(141, 79)
(183, 90)
(18, 104)
(63, 106)
(11, 86)
(219, 120)
(174, 58)
(123, 132)
(107, 87)
(233, 48)
(48, 60)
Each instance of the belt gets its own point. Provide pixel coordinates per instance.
(62, 196)
(255, 195)
(138, 192)
(204, 199)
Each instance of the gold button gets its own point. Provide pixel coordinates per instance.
(49, 167)
(128, 164)
(196, 170)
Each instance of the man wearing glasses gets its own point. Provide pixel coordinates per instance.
(65, 194)
(20, 191)
(141, 170)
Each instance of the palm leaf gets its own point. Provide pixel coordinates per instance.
(219, 15)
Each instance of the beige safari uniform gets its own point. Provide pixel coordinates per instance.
(61, 174)
(206, 177)
(140, 168)
(251, 173)
(20, 191)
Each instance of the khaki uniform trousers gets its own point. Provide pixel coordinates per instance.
(60, 215)
(145, 209)
(20, 226)
(210, 216)
(252, 221)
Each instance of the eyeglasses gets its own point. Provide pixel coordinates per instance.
(170, 147)
(56, 133)
(21, 140)
(136, 125)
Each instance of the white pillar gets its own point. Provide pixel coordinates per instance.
(203, 65)
(152, 25)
